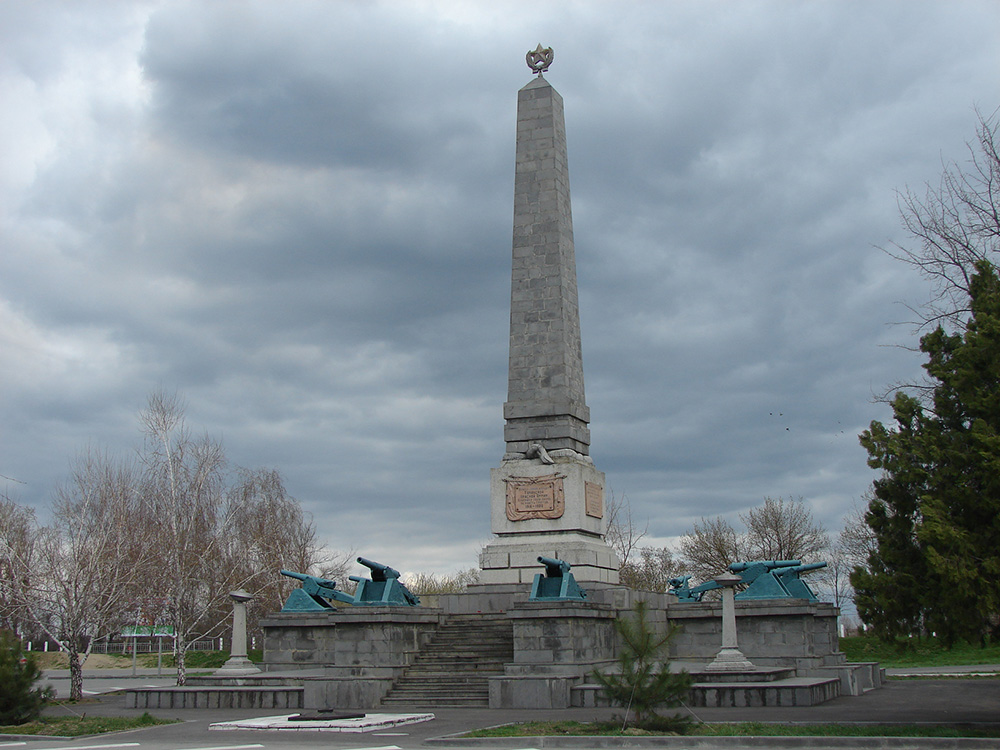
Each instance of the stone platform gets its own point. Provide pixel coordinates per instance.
(354, 657)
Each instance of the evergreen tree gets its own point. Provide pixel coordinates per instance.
(20, 700)
(936, 507)
(644, 681)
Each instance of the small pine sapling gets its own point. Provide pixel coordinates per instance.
(643, 681)
(20, 701)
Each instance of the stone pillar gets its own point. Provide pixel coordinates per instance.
(238, 663)
(545, 394)
(729, 658)
(546, 498)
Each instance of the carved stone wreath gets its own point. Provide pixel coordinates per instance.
(539, 59)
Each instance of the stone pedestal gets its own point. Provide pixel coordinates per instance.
(556, 646)
(238, 664)
(729, 658)
(555, 510)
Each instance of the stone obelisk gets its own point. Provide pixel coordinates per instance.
(546, 498)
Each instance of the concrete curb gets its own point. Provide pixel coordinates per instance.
(723, 743)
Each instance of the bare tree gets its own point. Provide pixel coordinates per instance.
(710, 547)
(18, 540)
(186, 496)
(72, 580)
(955, 224)
(623, 534)
(214, 535)
(428, 584)
(652, 569)
(857, 542)
(784, 530)
(268, 531)
(776, 530)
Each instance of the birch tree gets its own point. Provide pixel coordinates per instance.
(72, 579)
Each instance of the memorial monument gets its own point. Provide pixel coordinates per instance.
(546, 498)
(520, 639)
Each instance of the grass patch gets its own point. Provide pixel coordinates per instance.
(76, 726)
(735, 729)
(198, 659)
(925, 652)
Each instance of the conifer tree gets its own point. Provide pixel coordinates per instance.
(644, 681)
(936, 507)
(20, 700)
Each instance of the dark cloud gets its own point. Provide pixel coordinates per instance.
(298, 216)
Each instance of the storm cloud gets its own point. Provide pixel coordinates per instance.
(298, 216)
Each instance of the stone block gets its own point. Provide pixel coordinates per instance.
(530, 692)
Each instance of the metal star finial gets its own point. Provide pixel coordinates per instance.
(539, 59)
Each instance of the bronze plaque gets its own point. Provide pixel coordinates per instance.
(594, 499)
(535, 497)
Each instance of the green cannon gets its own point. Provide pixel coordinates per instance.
(791, 579)
(764, 579)
(314, 595)
(557, 585)
(383, 588)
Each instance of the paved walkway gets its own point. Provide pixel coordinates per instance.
(931, 701)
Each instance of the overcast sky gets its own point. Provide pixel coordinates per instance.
(297, 215)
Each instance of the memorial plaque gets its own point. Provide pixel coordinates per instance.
(535, 497)
(594, 499)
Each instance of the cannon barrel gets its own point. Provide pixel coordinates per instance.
(378, 567)
(804, 568)
(306, 579)
(551, 562)
(769, 564)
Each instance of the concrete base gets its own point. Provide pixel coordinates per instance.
(729, 660)
(514, 559)
(575, 535)
(237, 666)
(368, 723)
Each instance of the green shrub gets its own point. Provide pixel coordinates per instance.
(20, 701)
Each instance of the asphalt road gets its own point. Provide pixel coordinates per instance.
(950, 701)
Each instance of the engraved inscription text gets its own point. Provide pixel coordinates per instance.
(594, 499)
(535, 497)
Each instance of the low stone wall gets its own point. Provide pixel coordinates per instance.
(360, 650)
(774, 633)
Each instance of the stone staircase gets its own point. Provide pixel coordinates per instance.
(453, 669)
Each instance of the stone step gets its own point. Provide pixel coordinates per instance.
(793, 691)
(761, 674)
(484, 703)
(441, 692)
(214, 697)
(445, 662)
(432, 681)
(454, 667)
(466, 651)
